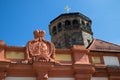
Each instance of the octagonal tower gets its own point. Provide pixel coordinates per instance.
(71, 29)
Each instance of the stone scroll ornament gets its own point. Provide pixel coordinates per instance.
(39, 49)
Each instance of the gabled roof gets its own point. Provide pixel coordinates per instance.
(100, 45)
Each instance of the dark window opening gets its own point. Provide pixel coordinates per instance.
(67, 23)
(83, 23)
(88, 24)
(59, 27)
(75, 22)
(54, 30)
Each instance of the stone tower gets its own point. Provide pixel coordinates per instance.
(71, 29)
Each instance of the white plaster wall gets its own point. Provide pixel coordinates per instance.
(111, 60)
(61, 79)
(99, 78)
(20, 78)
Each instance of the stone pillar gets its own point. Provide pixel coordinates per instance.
(82, 68)
(80, 55)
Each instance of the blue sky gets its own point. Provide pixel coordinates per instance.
(19, 18)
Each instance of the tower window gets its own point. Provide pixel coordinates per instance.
(83, 23)
(54, 30)
(88, 24)
(67, 23)
(75, 22)
(59, 27)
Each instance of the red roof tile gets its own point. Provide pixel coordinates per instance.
(100, 45)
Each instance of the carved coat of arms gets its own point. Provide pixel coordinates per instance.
(40, 49)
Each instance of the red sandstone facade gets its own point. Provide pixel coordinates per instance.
(80, 66)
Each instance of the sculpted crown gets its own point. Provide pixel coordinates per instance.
(42, 33)
(39, 33)
(36, 34)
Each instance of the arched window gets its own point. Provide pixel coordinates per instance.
(54, 30)
(88, 24)
(59, 27)
(83, 23)
(67, 23)
(75, 22)
(88, 27)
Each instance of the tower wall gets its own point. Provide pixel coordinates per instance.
(71, 29)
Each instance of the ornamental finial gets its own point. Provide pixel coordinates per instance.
(67, 9)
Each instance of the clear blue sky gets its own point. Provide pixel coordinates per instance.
(19, 18)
